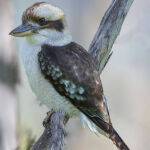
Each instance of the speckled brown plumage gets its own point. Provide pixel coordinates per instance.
(74, 64)
(79, 68)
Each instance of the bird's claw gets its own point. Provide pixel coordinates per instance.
(47, 119)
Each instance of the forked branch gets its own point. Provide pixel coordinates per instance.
(100, 48)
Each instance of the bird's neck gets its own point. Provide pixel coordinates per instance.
(52, 37)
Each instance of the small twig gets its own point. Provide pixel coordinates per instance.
(108, 31)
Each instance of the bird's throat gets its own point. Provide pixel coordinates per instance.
(53, 38)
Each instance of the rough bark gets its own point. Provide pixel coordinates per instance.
(108, 31)
(54, 133)
(100, 49)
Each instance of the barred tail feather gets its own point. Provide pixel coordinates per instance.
(111, 133)
(117, 140)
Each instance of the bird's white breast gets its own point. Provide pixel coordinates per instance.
(44, 91)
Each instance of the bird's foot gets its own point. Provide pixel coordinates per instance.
(47, 119)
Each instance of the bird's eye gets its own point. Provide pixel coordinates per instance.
(43, 21)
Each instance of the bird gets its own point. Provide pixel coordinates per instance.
(61, 73)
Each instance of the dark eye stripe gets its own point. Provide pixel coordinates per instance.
(57, 25)
(43, 21)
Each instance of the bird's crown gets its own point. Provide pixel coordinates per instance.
(41, 11)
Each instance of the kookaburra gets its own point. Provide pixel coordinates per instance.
(62, 73)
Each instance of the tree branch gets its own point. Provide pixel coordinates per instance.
(54, 133)
(100, 48)
(108, 31)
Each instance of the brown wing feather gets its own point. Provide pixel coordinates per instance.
(76, 68)
(79, 68)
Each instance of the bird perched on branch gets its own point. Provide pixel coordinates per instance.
(62, 73)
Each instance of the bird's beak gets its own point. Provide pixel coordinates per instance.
(24, 30)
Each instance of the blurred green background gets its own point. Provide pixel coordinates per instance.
(126, 79)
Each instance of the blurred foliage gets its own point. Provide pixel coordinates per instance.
(9, 73)
(26, 139)
(1, 139)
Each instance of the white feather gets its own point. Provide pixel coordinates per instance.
(51, 37)
(44, 91)
(47, 11)
(88, 123)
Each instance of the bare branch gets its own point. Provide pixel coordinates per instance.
(108, 31)
(54, 133)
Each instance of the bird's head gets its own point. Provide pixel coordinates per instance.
(43, 22)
